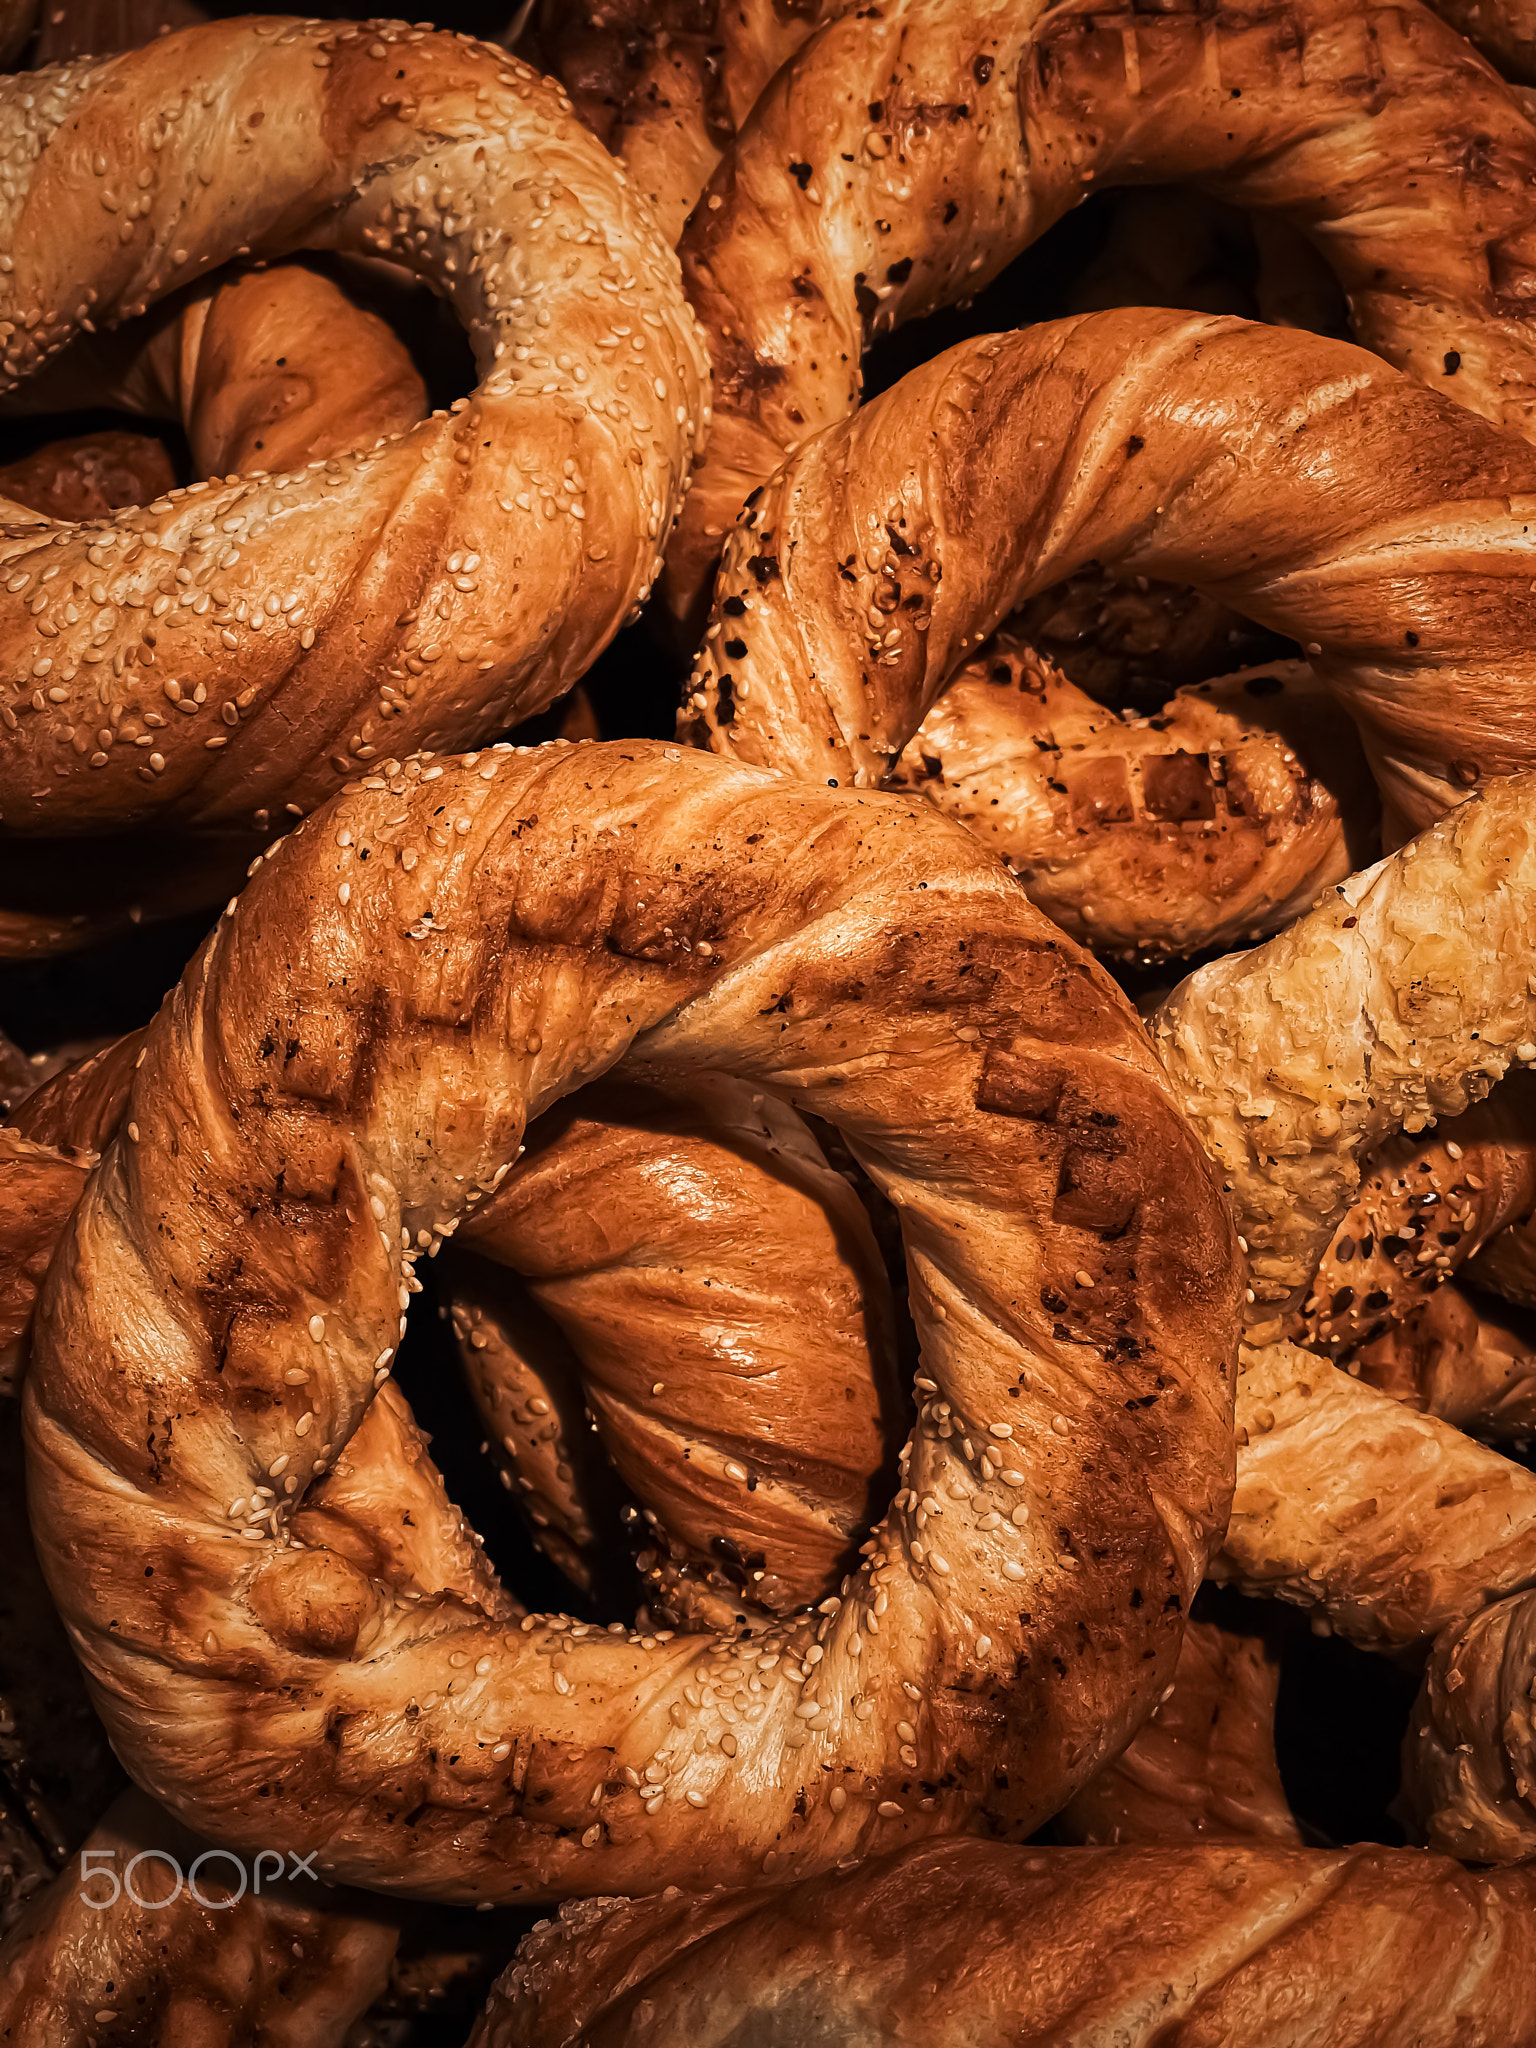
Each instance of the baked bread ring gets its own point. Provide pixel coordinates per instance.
(1399, 1530)
(342, 1077)
(1426, 1210)
(898, 163)
(950, 1943)
(697, 1232)
(263, 369)
(435, 586)
(272, 368)
(729, 1336)
(1248, 460)
(1464, 1359)
(1402, 1534)
(1426, 955)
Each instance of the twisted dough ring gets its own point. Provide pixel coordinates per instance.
(694, 1230)
(899, 162)
(294, 1964)
(1456, 1200)
(189, 1967)
(268, 369)
(1218, 819)
(352, 1057)
(1402, 998)
(263, 369)
(1250, 461)
(1203, 1763)
(435, 585)
(951, 1943)
(668, 84)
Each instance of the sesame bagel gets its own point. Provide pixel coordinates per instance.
(432, 586)
(344, 1075)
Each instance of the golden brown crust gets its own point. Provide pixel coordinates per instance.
(368, 1036)
(1203, 1764)
(292, 1965)
(1254, 461)
(414, 589)
(1221, 818)
(89, 476)
(902, 159)
(727, 1308)
(1427, 1207)
(1469, 1758)
(525, 1382)
(1129, 641)
(269, 369)
(263, 369)
(957, 1942)
(78, 1108)
(1388, 1523)
(47, 1148)
(1461, 1360)
(667, 83)
(39, 1186)
(1403, 997)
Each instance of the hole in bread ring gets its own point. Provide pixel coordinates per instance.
(706, 1319)
(470, 568)
(262, 369)
(227, 1298)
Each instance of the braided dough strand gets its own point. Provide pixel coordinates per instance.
(265, 369)
(353, 1057)
(1401, 998)
(292, 1963)
(1149, 837)
(1203, 1762)
(953, 1943)
(902, 160)
(667, 83)
(435, 585)
(1252, 462)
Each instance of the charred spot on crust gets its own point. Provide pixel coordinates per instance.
(1178, 787)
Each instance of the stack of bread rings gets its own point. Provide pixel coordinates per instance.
(825, 715)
